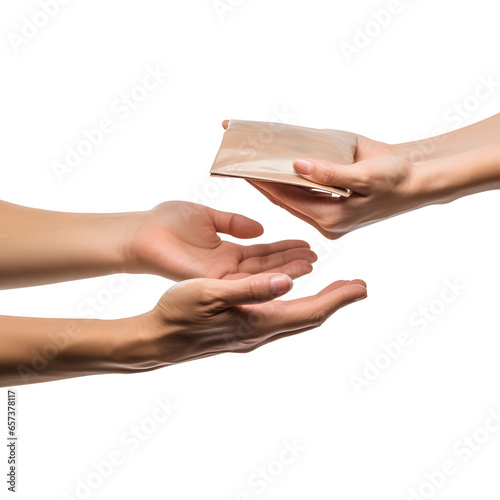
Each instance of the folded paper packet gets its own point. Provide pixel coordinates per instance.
(265, 151)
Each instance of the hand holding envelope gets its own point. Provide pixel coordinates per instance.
(266, 151)
(300, 169)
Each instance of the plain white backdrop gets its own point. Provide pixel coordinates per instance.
(416, 71)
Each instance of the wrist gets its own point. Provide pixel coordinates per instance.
(109, 233)
(47, 247)
(135, 347)
(124, 234)
(445, 179)
(423, 149)
(143, 238)
(111, 346)
(91, 244)
(97, 347)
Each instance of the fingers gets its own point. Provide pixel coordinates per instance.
(262, 263)
(333, 297)
(322, 208)
(270, 248)
(294, 269)
(339, 284)
(329, 300)
(252, 290)
(256, 319)
(236, 225)
(261, 187)
(283, 319)
(333, 174)
(297, 197)
(310, 312)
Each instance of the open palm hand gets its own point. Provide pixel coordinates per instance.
(179, 240)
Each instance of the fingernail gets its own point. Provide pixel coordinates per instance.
(281, 284)
(303, 166)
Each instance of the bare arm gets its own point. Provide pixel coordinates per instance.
(477, 135)
(40, 246)
(177, 240)
(383, 187)
(194, 319)
(43, 349)
(447, 178)
(387, 180)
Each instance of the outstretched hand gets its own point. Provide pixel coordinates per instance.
(179, 240)
(203, 317)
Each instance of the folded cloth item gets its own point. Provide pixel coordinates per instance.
(265, 151)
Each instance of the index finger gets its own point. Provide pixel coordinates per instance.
(308, 312)
(315, 205)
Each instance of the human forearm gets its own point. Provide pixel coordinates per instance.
(41, 246)
(442, 180)
(43, 349)
(194, 319)
(383, 187)
(177, 240)
(477, 135)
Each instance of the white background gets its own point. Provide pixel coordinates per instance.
(261, 60)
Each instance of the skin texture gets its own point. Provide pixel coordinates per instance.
(225, 305)
(194, 319)
(160, 244)
(40, 246)
(388, 180)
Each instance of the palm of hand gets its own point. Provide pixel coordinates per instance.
(180, 241)
(198, 251)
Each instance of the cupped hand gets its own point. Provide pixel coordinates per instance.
(203, 317)
(179, 240)
(381, 188)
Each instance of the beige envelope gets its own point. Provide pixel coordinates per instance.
(265, 151)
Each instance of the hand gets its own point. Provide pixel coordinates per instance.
(334, 217)
(179, 240)
(381, 187)
(194, 319)
(203, 317)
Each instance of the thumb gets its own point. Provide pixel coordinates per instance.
(236, 225)
(352, 176)
(254, 289)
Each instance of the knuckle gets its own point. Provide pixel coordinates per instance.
(243, 339)
(207, 296)
(327, 222)
(365, 175)
(324, 174)
(274, 201)
(252, 289)
(339, 224)
(317, 318)
(333, 235)
(244, 349)
(204, 292)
